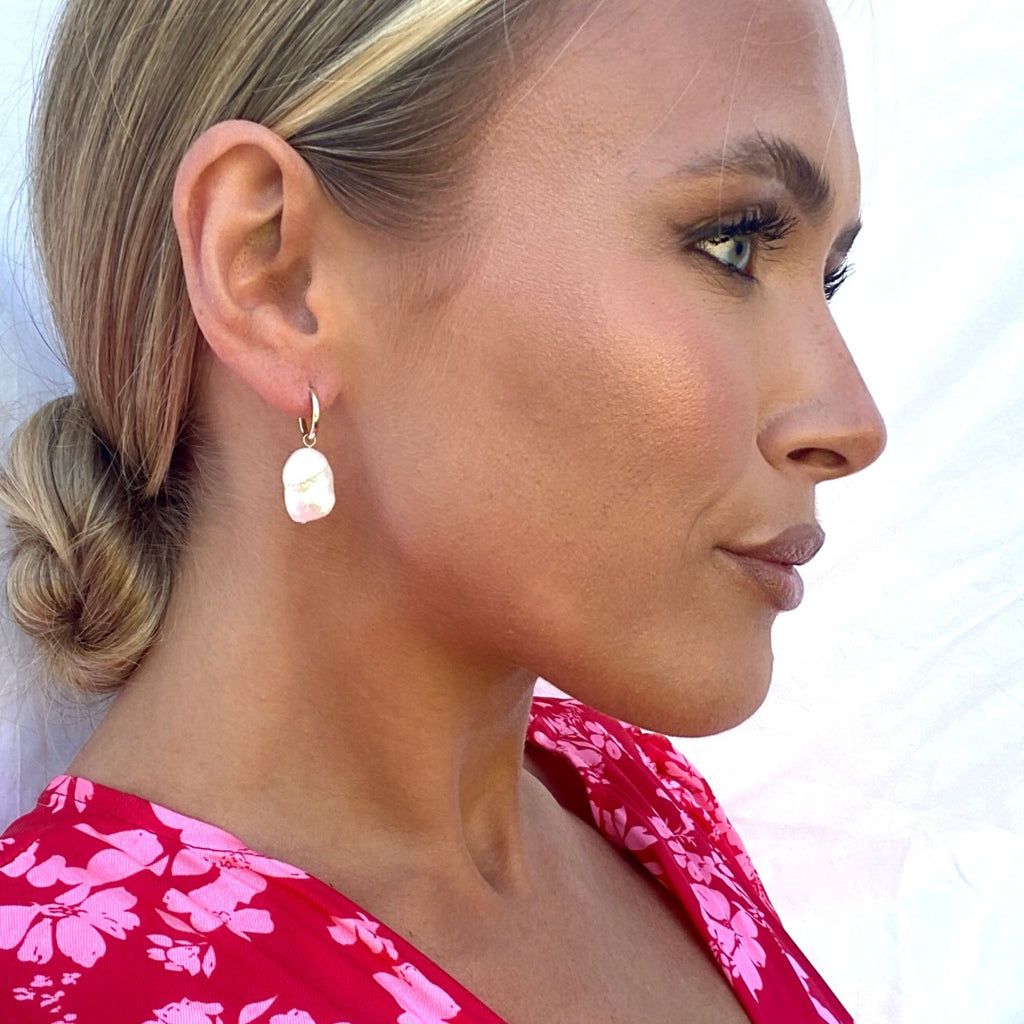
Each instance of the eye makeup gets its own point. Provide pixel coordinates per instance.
(738, 242)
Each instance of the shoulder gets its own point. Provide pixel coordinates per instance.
(116, 910)
(68, 902)
(106, 915)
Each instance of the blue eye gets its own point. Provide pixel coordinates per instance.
(733, 250)
(736, 243)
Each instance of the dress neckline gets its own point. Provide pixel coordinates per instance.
(173, 826)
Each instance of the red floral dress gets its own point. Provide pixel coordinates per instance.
(114, 910)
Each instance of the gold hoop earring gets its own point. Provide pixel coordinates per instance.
(307, 476)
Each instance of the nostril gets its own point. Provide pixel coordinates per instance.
(820, 458)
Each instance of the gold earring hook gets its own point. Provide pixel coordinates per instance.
(309, 436)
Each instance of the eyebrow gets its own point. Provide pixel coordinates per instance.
(774, 158)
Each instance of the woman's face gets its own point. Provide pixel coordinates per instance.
(625, 366)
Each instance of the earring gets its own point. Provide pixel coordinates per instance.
(308, 479)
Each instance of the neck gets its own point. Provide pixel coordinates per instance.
(337, 735)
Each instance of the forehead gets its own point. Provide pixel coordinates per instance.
(644, 87)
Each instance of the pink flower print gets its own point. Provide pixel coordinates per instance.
(182, 954)
(348, 930)
(14, 924)
(78, 927)
(723, 829)
(80, 790)
(659, 754)
(234, 873)
(645, 757)
(22, 863)
(580, 755)
(131, 851)
(242, 876)
(559, 724)
(735, 936)
(614, 825)
(661, 827)
(230, 888)
(748, 954)
(251, 1011)
(602, 741)
(51, 871)
(25, 995)
(217, 903)
(699, 867)
(663, 792)
(675, 766)
(48, 1000)
(674, 836)
(188, 1012)
(292, 1017)
(747, 867)
(213, 847)
(422, 1001)
(823, 1012)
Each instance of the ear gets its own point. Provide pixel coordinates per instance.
(250, 216)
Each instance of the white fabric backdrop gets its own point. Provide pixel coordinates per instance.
(881, 787)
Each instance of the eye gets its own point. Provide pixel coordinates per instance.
(733, 250)
(738, 242)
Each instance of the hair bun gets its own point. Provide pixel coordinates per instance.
(91, 562)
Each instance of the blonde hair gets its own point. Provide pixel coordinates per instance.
(378, 96)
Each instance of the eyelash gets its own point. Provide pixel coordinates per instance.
(767, 225)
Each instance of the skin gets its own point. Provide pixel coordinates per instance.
(543, 428)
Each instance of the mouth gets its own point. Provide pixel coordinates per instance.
(771, 566)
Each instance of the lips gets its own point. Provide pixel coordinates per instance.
(770, 566)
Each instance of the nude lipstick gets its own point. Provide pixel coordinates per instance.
(770, 566)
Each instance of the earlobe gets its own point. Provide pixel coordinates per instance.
(245, 212)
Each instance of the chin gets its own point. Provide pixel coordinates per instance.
(699, 698)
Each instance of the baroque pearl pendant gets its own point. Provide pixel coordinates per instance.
(308, 485)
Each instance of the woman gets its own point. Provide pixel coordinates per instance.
(545, 284)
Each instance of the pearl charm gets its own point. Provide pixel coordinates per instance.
(307, 476)
(308, 485)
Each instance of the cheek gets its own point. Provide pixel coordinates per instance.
(681, 375)
(562, 440)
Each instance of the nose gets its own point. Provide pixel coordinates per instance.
(822, 420)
